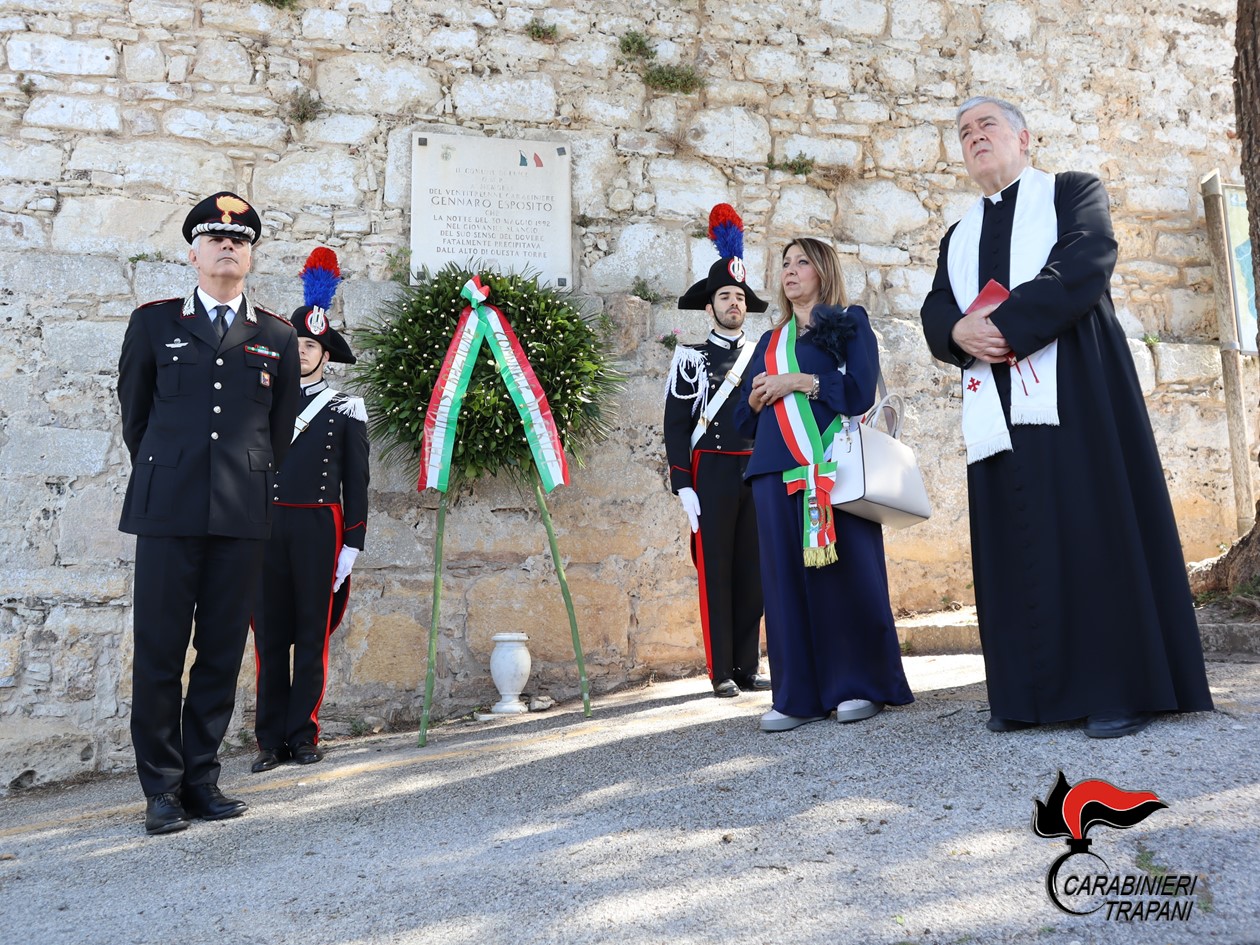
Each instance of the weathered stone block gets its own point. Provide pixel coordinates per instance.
(909, 149)
(23, 160)
(88, 527)
(63, 584)
(802, 209)
(642, 251)
(117, 226)
(531, 603)
(328, 24)
(64, 278)
(687, 189)
(828, 152)
(144, 62)
(36, 752)
(74, 113)
(234, 18)
(371, 83)
(1186, 366)
(730, 133)
(223, 60)
(159, 13)
(532, 99)
(866, 17)
(57, 55)
(1012, 22)
(1156, 199)
(175, 167)
(341, 129)
(21, 231)
(226, 128)
(878, 211)
(323, 178)
(51, 451)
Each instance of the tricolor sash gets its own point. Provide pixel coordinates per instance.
(480, 322)
(814, 478)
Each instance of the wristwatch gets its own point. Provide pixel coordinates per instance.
(813, 391)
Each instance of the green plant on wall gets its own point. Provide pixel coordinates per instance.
(404, 349)
(637, 48)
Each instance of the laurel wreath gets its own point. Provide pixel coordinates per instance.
(405, 342)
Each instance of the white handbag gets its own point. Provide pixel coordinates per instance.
(877, 476)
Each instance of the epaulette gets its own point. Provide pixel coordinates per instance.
(158, 302)
(281, 318)
(350, 406)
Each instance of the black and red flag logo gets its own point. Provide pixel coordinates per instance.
(1072, 811)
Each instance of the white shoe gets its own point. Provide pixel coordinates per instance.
(855, 710)
(774, 721)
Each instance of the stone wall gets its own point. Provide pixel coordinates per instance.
(117, 114)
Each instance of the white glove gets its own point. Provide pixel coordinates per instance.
(691, 505)
(345, 561)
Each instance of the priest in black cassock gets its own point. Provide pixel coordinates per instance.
(1084, 606)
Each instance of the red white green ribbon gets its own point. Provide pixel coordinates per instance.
(479, 322)
(814, 478)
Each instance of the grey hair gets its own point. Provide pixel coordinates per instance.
(1014, 117)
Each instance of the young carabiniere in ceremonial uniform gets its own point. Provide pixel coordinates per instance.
(208, 387)
(707, 458)
(320, 510)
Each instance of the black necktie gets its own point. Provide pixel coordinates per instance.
(220, 323)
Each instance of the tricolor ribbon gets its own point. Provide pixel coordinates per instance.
(479, 322)
(814, 478)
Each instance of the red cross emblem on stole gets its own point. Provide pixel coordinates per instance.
(973, 385)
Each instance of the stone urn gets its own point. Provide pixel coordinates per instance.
(509, 668)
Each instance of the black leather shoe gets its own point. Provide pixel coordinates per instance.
(268, 758)
(725, 688)
(308, 753)
(998, 724)
(1115, 725)
(753, 682)
(207, 802)
(163, 813)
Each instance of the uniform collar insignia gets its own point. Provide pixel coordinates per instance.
(190, 309)
(313, 389)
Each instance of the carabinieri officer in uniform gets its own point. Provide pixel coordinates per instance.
(209, 390)
(707, 458)
(320, 508)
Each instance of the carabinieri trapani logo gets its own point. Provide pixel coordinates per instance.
(1087, 884)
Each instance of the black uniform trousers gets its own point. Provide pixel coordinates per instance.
(199, 586)
(296, 617)
(726, 557)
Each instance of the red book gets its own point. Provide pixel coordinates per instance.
(991, 294)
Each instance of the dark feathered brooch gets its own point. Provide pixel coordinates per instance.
(831, 327)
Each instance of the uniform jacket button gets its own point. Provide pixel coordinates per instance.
(325, 475)
(218, 386)
(322, 488)
(218, 409)
(214, 436)
(219, 362)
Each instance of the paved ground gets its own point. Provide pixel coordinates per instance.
(666, 818)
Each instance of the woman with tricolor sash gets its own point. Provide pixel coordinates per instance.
(829, 627)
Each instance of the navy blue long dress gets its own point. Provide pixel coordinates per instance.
(829, 631)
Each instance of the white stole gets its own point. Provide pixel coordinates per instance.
(1034, 379)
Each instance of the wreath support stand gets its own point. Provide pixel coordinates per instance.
(564, 590)
(433, 622)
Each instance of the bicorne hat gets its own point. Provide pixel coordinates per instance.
(320, 277)
(726, 230)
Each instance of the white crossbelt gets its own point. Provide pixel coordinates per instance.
(733, 379)
(315, 406)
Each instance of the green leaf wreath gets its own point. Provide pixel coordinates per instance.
(403, 351)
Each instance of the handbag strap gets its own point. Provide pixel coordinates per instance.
(895, 405)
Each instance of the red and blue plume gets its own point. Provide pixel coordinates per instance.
(726, 230)
(320, 277)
